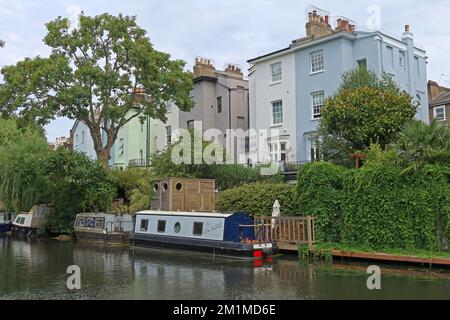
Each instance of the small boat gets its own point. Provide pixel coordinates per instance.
(5, 226)
(109, 229)
(231, 234)
(30, 222)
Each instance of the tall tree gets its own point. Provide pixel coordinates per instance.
(364, 110)
(102, 70)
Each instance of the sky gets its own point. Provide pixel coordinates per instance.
(226, 31)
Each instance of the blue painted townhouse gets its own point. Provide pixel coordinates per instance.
(288, 87)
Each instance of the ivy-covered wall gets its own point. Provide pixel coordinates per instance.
(378, 206)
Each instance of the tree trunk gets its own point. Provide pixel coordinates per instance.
(103, 157)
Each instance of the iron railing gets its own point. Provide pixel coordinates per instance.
(138, 163)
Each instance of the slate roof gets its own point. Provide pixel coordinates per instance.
(442, 99)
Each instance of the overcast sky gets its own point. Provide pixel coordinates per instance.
(226, 30)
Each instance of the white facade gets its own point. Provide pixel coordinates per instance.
(82, 140)
(264, 95)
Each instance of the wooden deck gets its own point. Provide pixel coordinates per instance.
(384, 257)
(287, 232)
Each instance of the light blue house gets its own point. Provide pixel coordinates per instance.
(288, 87)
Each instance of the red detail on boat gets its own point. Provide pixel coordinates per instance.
(258, 254)
(258, 263)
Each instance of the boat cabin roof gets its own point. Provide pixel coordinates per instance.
(186, 214)
(100, 215)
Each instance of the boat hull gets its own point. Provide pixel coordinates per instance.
(5, 227)
(222, 248)
(111, 239)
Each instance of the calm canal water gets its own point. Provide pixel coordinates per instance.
(37, 270)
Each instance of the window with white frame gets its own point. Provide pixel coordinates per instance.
(316, 58)
(278, 151)
(82, 137)
(439, 113)
(313, 150)
(169, 134)
(169, 106)
(122, 146)
(318, 100)
(277, 112)
(277, 73)
(273, 148)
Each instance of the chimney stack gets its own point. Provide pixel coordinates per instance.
(317, 25)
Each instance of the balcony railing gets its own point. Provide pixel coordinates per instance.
(138, 163)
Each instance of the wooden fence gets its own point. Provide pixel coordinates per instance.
(287, 232)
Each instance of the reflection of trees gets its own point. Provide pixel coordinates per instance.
(26, 266)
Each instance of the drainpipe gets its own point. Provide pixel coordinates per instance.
(148, 141)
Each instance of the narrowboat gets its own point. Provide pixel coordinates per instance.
(230, 234)
(109, 229)
(30, 222)
(5, 226)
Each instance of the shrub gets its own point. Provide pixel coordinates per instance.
(384, 208)
(231, 176)
(258, 199)
(320, 195)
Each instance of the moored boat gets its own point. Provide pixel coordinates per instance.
(109, 229)
(29, 222)
(230, 234)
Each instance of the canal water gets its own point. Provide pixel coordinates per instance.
(37, 270)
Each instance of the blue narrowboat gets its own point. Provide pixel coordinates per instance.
(5, 226)
(231, 234)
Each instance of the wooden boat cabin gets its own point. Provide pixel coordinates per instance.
(231, 234)
(110, 229)
(183, 194)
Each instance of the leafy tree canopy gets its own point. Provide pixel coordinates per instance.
(365, 110)
(101, 70)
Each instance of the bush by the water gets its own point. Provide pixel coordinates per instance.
(258, 199)
(378, 206)
(385, 208)
(320, 195)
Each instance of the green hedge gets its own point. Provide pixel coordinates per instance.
(258, 199)
(385, 208)
(320, 195)
(378, 206)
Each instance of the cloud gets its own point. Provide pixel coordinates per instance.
(224, 30)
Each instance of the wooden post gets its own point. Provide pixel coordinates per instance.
(310, 241)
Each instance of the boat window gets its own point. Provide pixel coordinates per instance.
(177, 227)
(18, 220)
(81, 222)
(198, 229)
(161, 225)
(22, 221)
(165, 186)
(100, 223)
(179, 186)
(144, 225)
(156, 186)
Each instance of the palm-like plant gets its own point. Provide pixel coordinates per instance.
(419, 144)
(2, 43)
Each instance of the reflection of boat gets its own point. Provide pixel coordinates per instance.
(105, 228)
(230, 234)
(30, 222)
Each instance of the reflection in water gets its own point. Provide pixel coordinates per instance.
(37, 270)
